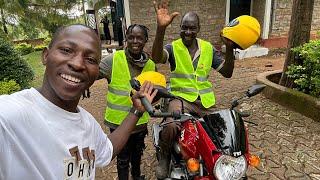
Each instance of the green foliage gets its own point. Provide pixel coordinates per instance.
(12, 66)
(46, 41)
(3, 35)
(24, 48)
(8, 87)
(34, 61)
(39, 47)
(306, 76)
(27, 19)
(43, 45)
(29, 28)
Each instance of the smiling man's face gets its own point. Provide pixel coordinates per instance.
(72, 65)
(189, 29)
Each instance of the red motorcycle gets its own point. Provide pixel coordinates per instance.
(213, 147)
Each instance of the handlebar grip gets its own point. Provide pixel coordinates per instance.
(147, 105)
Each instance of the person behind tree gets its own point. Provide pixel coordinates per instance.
(191, 60)
(44, 134)
(118, 68)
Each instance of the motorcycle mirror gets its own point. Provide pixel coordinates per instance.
(255, 89)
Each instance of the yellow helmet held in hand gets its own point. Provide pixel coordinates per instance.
(157, 79)
(154, 77)
(243, 30)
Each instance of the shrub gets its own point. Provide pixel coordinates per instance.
(13, 67)
(8, 87)
(39, 47)
(307, 75)
(24, 48)
(47, 41)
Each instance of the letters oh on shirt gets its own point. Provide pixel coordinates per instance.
(77, 167)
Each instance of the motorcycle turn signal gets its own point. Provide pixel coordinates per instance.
(193, 165)
(254, 160)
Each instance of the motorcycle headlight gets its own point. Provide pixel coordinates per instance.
(230, 168)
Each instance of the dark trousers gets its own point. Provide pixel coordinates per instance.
(131, 153)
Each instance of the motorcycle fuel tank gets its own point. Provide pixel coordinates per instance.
(226, 129)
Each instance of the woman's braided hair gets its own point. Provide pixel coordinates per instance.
(144, 29)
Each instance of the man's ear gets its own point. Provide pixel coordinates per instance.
(44, 55)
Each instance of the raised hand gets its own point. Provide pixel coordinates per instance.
(163, 16)
(146, 90)
(227, 41)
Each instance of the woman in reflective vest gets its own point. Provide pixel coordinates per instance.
(118, 68)
(118, 98)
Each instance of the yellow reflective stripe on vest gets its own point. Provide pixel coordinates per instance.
(118, 97)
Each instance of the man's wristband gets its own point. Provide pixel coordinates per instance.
(136, 112)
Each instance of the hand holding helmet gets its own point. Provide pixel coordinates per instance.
(228, 42)
(244, 31)
(157, 79)
(146, 93)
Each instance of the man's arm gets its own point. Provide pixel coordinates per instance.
(163, 20)
(105, 68)
(120, 135)
(227, 69)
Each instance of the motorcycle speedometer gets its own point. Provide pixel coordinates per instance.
(230, 168)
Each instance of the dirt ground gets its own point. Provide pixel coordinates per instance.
(96, 104)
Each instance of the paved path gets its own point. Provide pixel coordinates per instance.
(287, 142)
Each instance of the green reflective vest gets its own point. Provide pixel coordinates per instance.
(188, 83)
(118, 98)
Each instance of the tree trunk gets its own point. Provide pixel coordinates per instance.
(299, 33)
(3, 21)
(84, 12)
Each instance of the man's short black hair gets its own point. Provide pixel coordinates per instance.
(192, 14)
(142, 27)
(62, 28)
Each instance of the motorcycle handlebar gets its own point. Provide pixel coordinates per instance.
(175, 115)
(147, 105)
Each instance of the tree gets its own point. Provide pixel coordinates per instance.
(299, 33)
(32, 14)
(5, 30)
(13, 66)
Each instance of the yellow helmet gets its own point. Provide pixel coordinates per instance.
(154, 77)
(157, 79)
(243, 30)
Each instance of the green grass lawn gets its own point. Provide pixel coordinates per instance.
(34, 60)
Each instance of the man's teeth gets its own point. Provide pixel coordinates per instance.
(70, 78)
